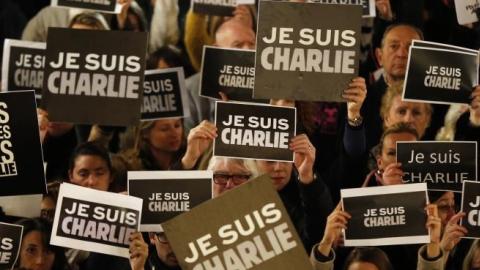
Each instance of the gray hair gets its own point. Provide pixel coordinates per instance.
(248, 164)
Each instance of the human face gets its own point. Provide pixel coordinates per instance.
(47, 208)
(412, 113)
(279, 172)
(393, 55)
(164, 251)
(166, 135)
(91, 171)
(389, 149)
(476, 259)
(33, 254)
(362, 266)
(233, 34)
(446, 207)
(231, 168)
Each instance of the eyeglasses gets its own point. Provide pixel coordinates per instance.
(237, 179)
(162, 238)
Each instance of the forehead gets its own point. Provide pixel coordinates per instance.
(230, 166)
(446, 197)
(398, 102)
(391, 139)
(164, 122)
(89, 161)
(401, 34)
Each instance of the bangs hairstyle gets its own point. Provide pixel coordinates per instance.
(248, 164)
(91, 19)
(90, 149)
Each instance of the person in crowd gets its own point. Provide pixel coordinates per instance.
(392, 56)
(230, 34)
(161, 257)
(90, 167)
(36, 253)
(49, 201)
(430, 256)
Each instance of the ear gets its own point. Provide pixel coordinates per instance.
(378, 55)
(379, 161)
(70, 175)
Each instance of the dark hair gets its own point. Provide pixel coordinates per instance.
(371, 255)
(396, 129)
(91, 19)
(90, 149)
(170, 54)
(393, 26)
(45, 228)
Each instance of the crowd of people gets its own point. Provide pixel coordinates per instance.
(338, 146)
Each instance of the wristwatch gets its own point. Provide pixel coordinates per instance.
(355, 122)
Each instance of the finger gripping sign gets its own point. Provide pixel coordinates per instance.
(96, 221)
(386, 215)
(306, 51)
(254, 131)
(10, 241)
(89, 79)
(230, 232)
(444, 166)
(471, 207)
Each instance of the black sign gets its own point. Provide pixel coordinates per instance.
(23, 64)
(306, 51)
(254, 131)
(90, 79)
(214, 7)
(442, 165)
(168, 194)
(368, 6)
(93, 220)
(21, 160)
(387, 215)
(164, 94)
(440, 74)
(10, 241)
(471, 208)
(231, 71)
(100, 5)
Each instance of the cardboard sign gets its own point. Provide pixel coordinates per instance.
(254, 131)
(386, 215)
(10, 241)
(28, 206)
(443, 166)
(306, 51)
(96, 221)
(106, 6)
(214, 7)
(90, 79)
(467, 11)
(231, 71)
(471, 207)
(22, 65)
(164, 94)
(167, 194)
(368, 6)
(231, 232)
(21, 158)
(439, 73)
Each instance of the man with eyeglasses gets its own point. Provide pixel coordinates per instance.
(162, 257)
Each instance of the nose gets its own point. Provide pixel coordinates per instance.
(408, 117)
(91, 180)
(39, 259)
(230, 184)
(403, 50)
(277, 165)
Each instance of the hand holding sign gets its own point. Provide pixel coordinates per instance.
(138, 251)
(434, 224)
(199, 139)
(392, 175)
(355, 95)
(336, 222)
(453, 232)
(384, 9)
(304, 157)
